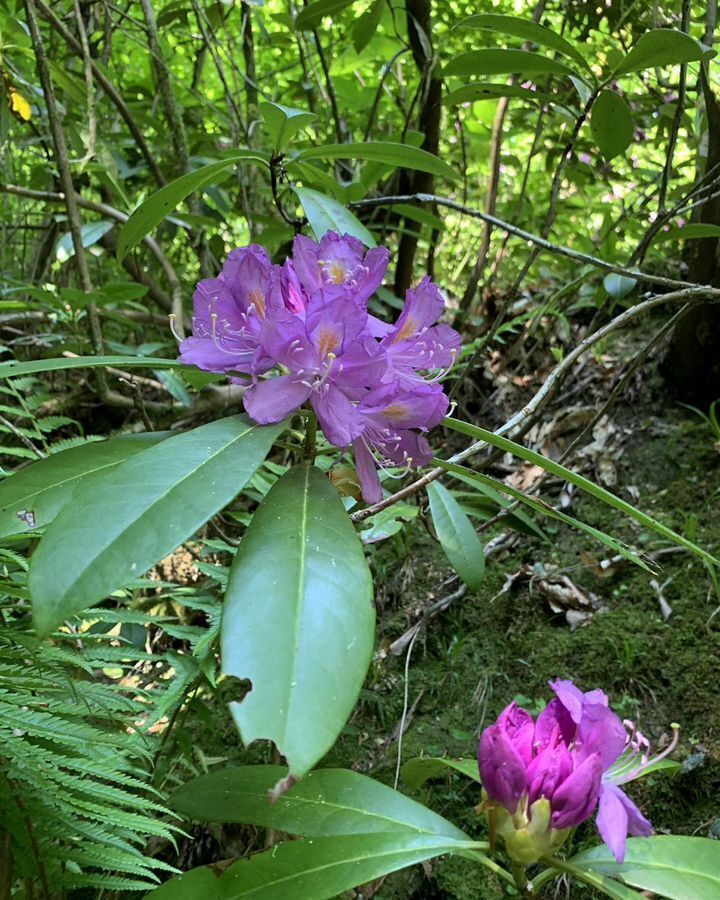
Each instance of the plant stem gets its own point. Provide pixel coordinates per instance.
(521, 881)
(309, 447)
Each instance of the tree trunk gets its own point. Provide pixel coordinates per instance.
(420, 35)
(693, 362)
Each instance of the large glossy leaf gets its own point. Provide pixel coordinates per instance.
(13, 368)
(326, 802)
(416, 772)
(117, 526)
(321, 868)
(298, 619)
(325, 214)
(676, 867)
(527, 30)
(404, 156)
(32, 497)
(505, 62)
(312, 15)
(503, 443)
(611, 124)
(157, 206)
(662, 47)
(458, 538)
(284, 122)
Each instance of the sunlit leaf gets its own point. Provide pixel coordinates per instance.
(325, 214)
(611, 124)
(662, 47)
(505, 62)
(158, 205)
(527, 30)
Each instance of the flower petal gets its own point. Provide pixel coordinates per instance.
(576, 798)
(338, 417)
(271, 400)
(502, 771)
(571, 698)
(367, 472)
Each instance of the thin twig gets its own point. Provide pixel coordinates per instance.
(543, 243)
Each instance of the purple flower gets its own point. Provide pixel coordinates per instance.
(560, 769)
(326, 360)
(229, 312)
(371, 385)
(339, 262)
(416, 343)
(389, 414)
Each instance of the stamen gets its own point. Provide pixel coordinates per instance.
(173, 328)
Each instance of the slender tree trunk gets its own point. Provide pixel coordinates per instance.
(692, 365)
(420, 35)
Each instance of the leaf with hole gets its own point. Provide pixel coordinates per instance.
(506, 62)
(298, 619)
(404, 156)
(324, 803)
(118, 525)
(458, 538)
(32, 497)
(469, 93)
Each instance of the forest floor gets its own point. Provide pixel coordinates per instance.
(497, 645)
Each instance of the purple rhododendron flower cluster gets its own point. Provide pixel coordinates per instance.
(549, 775)
(368, 382)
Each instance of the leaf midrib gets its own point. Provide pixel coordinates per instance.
(299, 597)
(449, 845)
(351, 809)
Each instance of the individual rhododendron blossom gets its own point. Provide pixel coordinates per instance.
(301, 332)
(541, 778)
